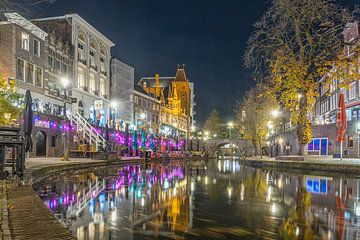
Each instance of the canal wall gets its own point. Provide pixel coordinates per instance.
(331, 167)
(35, 174)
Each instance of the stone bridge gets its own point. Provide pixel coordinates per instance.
(210, 146)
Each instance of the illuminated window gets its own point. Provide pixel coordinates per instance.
(92, 82)
(350, 142)
(102, 87)
(81, 78)
(25, 41)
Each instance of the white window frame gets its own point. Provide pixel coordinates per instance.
(25, 41)
(352, 90)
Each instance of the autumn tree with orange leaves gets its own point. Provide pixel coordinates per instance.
(294, 45)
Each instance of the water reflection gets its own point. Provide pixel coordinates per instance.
(202, 200)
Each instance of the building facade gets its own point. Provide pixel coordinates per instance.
(24, 58)
(177, 102)
(146, 110)
(324, 117)
(121, 91)
(90, 82)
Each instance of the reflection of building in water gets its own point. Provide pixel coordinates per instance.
(150, 199)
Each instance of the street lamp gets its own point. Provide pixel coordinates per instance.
(65, 83)
(275, 113)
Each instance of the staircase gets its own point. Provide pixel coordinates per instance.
(88, 131)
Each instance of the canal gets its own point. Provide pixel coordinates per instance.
(212, 199)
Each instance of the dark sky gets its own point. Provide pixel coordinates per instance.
(153, 36)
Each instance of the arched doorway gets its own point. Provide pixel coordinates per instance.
(40, 144)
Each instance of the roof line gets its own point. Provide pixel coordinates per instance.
(80, 21)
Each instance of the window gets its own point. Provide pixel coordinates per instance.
(80, 52)
(81, 78)
(102, 64)
(50, 61)
(30, 73)
(350, 142)
(352, 90)
(57, 65)
(38, 77)
(92, 58)
(102, 87)
(25, 41)
(92, 83)
(64, 68)
(20, 72)
(36, 47)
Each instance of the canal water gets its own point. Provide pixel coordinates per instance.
(213, 199)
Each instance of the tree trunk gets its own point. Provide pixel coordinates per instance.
(303, 129)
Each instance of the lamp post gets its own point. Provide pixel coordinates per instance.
(65, 83)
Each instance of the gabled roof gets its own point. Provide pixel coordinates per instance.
(17, 19)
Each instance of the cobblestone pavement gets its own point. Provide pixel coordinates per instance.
(29, 218)
(4, 216)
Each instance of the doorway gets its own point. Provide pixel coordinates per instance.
(40, 144)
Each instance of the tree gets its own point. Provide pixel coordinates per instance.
(9, 112)
(253, 114)
(294, 44)
(214, 124)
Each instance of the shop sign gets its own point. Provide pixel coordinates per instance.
(99, 105)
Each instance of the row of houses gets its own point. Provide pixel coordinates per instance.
(67, 65)
(324, 138)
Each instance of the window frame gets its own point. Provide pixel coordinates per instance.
(25, 44)
(23, 69)
(38, 47)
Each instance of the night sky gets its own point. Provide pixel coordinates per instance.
(154, 36)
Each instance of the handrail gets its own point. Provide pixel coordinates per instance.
(88, 130)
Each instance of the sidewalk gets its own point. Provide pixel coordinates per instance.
(344, 161)
(319, 166)
(31, 163)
